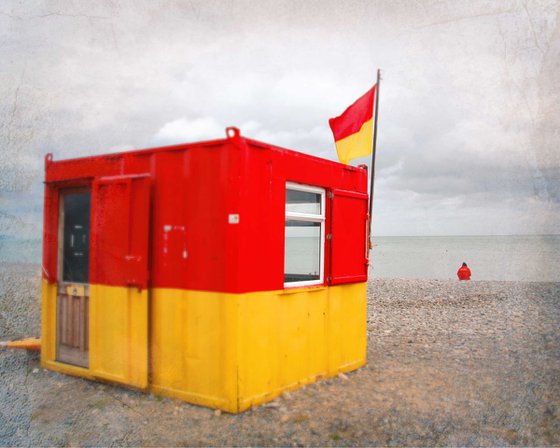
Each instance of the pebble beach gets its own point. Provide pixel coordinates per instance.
(449, 363)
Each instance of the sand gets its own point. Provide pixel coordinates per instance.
(449, 363)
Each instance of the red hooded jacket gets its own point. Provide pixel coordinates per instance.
(464, 273)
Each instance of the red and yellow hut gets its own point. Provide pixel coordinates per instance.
(222, 273)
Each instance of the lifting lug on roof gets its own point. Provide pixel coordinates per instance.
(232, 132)
(234, 136)
(48, 159)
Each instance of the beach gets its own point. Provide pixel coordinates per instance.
(449, 363)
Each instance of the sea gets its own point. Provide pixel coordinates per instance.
(509, 258)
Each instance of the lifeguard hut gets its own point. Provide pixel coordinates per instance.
(222, 273)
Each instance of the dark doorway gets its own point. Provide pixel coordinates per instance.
(75, 265)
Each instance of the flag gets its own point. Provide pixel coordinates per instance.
(353, 130)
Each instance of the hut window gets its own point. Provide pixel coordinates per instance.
(304, 245)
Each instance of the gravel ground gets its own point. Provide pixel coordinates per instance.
(449, 363)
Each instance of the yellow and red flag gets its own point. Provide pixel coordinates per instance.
(353, 130)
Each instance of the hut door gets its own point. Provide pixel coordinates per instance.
(73, 288)
(119, 279)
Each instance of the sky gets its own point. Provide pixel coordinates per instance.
(469, 114)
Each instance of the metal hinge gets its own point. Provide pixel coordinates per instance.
(329, 279)
(331, 195)
(329, 236)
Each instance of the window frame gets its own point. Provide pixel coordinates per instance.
(307, 217)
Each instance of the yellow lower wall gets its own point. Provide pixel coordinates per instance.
(193, 346)
(292, 337)
(48, 322)
(227, 351)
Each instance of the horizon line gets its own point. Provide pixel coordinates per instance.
(465, 235)
(15, 237)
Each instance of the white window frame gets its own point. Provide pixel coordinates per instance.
(309, 217)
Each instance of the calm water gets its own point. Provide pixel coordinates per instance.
(530, 258)
(20, 251)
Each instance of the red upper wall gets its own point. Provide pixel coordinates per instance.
(189, 242)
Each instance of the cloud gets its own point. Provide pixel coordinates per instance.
(184, 130)
(317, 139)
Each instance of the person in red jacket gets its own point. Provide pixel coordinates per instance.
(464, 273)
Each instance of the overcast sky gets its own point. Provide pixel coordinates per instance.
(469, 109)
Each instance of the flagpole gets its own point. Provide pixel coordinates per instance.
(374, 147)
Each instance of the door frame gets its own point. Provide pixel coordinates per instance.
(61, 284)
